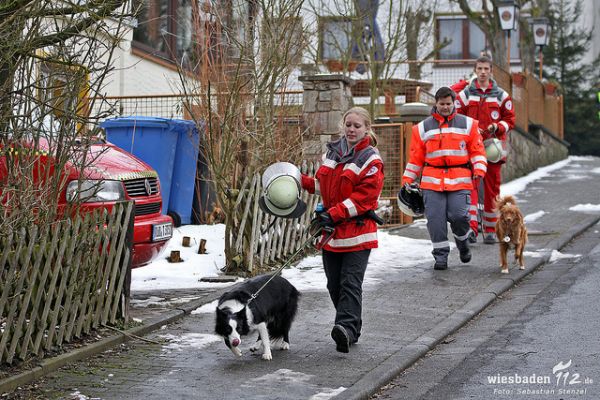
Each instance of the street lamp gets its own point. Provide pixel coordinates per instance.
(508, 11)
(541, 36)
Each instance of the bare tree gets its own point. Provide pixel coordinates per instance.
(54, 55)
(245, 53)
(487, 19)
(375, 37)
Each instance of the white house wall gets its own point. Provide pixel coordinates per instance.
(136, 76)
(591, 18)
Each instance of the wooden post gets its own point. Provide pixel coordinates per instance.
(126, 296)
(541, 62)
(508, 52)
(185, 242)
(202, 247)
(175, 257)
(390, 106)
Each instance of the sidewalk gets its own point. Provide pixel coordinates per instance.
(406, 313)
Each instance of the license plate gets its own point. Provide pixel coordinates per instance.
(162, 231)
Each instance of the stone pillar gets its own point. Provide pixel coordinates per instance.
(325, 100)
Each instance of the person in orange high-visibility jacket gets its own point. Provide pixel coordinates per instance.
(482, 99)
(447, 153)
(349, 181)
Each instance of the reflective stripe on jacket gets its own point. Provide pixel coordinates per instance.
(446, 153)
(486, 106)
(350, 185)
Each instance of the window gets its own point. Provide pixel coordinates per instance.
(63, 89)
(477, 42)
(236, 33)
(334, 38)
(450, 31)
(164, 28)
(466, 40)
(62, 96)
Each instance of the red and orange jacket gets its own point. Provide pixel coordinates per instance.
(492, 104)
(350, 184)
(446, 153)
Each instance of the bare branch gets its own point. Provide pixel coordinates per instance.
(73, 30)
(46, 74)
(11, 7)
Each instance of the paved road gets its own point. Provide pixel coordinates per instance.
(407, 312)
(551, 318)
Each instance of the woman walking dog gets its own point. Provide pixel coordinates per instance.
(350, 181)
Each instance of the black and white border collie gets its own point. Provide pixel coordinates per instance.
(271, 313)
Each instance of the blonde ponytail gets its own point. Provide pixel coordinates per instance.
(373, 138)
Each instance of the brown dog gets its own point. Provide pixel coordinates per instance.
(510, 230)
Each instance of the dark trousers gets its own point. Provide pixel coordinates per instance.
(345, 273)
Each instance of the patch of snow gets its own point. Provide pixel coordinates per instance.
(195, 340)
(585, 207)
(557, 255)
(534, 216)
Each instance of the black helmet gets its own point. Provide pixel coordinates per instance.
(410, 200)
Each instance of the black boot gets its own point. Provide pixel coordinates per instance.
(440, 265)
(465, 255)
(341, 338)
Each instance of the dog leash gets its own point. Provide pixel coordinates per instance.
(330, 232)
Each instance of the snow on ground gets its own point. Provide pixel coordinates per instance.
(534, 254)
(394, 251)
(554, 254)
(532, 217)
(586, 207)
(155, 300)
(517, 185)
(164, 275)
(77, 395)
(557, 255)
(195, 340)
(308, 274)
(207, 308)
(328, 394)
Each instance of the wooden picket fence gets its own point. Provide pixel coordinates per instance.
(271, 239)
(62, 281)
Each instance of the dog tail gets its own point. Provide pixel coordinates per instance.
(502, 201)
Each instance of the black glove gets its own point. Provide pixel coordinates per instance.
(412, 187)
(324, 220)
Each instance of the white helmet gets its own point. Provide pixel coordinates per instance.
(281, 191)
(493, 150)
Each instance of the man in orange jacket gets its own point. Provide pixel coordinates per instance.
(446, 151)
(483, 100)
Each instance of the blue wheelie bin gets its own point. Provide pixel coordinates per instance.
(149, 139)
(170, 146)
(184, 171)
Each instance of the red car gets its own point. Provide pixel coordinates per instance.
(115, 175)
